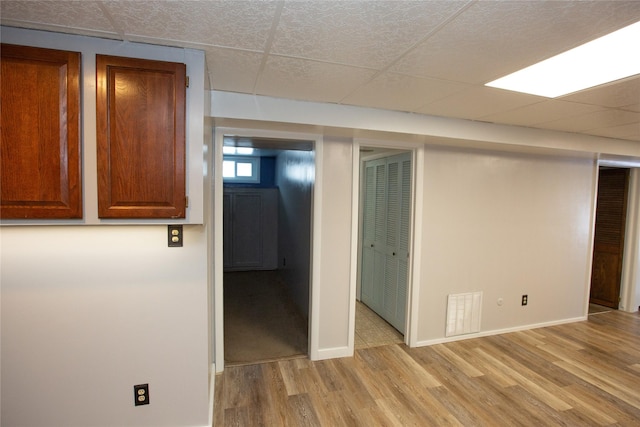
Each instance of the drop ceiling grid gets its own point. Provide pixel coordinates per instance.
(478, 101)
(541, 112)
(624, 94)
(424, 57)
(212, 23)
(309, 80)
(364, 34)
(630, 131)
(596, 120)
(496, 37)
(84, 16)
(402, 92)
(232, 70)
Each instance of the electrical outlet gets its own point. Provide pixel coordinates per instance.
(141, 394)
(525, 299)
(175, 236)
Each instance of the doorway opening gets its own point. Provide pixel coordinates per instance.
(267, 192)
(385, 215)
(609, 240)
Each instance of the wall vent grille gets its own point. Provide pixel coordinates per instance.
(463, 313)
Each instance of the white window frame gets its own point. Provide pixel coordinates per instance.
(255, 169)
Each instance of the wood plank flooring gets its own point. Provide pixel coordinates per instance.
(372, 330)
(579, 374)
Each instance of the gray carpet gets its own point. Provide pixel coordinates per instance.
(261, 323)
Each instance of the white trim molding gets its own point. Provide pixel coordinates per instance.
(434, 341)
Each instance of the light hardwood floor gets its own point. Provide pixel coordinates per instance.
(372, 330)
(579, 374)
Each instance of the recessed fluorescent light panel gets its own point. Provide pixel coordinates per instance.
(609, 58)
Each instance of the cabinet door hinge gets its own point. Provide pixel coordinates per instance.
(187, 81)
(186, 201)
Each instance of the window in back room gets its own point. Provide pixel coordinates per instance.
(241, 169)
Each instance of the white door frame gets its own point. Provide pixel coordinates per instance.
(415, 232)
(217, 277)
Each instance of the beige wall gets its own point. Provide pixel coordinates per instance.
(332, 288)
(506, 224)
(502, 209)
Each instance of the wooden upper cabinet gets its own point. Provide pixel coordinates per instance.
(40, 169)
(141, 138)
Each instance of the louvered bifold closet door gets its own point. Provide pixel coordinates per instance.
(608, 250)
(397, 240)
(373, 251)
(385, 251)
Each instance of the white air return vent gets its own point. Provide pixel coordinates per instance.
(463, 313)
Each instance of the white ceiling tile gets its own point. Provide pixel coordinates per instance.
(618, 94)
(309, 80)
(84, 17)
(540, 112)
(478, 101)
(494, 38)
(401, 92)
(364, 33)
(630, 131)
(236, 24)
(633, 107)
(233, 70)
(596, 120)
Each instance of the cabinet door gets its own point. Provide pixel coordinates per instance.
(141, 138)
(40, 145)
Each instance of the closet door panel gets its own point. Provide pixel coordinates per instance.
(386, 221)
(250, 229)
(246, 243)
(374, 250)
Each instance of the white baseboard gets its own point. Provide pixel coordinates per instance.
(212, 391)
(425, 343)
(332, 353)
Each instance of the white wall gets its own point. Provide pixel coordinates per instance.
(331, 289)
(295, 172)
(630, 289)
(88, 311)
(506, 224)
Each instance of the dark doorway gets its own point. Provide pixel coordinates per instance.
(267, 189)
(611, 215)
(262, 323)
